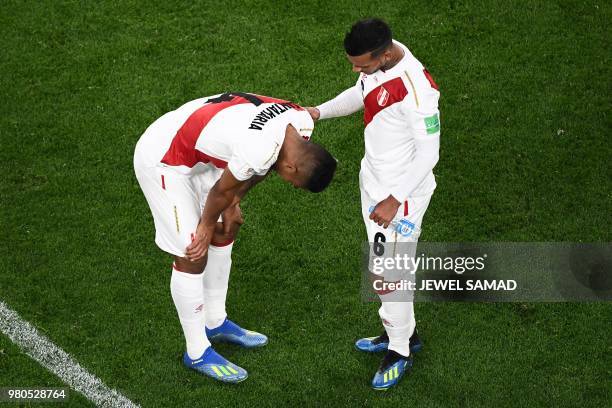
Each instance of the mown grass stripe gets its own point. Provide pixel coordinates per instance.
(56, 360)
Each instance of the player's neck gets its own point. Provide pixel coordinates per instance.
(289, 143)
(396, 56)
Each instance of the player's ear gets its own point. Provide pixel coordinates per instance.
(292, 161)
(290, 167)
(388, 54)
(285, 167)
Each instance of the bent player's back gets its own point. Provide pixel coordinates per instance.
(157, 138)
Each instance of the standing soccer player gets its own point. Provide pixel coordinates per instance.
(402, 139)
(194, 165)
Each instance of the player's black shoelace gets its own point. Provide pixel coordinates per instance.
(391, 358)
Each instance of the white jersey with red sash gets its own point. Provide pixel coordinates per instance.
(399, 104)
(241, 131)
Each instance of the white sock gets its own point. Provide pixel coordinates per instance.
(399, 323)
(216, 278)
(186, 290)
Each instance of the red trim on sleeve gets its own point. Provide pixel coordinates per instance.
(382, 97)
(405, 208)
(431, 80)
(163, 182)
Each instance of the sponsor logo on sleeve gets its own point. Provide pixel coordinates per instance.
(432, 124)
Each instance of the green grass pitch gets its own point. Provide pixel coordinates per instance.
(525, 156)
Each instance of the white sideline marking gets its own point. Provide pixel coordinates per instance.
(58, 361)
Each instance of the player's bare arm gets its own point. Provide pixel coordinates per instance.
(220, 198)
(232, 216)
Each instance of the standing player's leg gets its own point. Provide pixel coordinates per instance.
(216, 281)
(175, 207)
(188, 298)
(396, 311)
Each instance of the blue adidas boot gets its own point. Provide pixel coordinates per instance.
(215, 366)
(230, 332)
(391, 370)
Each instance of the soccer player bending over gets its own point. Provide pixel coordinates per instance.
(402, 139)
(194, 165)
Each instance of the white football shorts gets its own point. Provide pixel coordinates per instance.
(387, 243)
(413, 210)
(176, 200)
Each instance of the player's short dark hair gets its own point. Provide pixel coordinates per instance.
(369, 35)
(320, 167)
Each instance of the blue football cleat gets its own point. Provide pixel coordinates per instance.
(380, 343)
(392, 369)
(215, 366)
(230, 332)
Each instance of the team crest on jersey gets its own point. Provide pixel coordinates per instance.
(383, 96)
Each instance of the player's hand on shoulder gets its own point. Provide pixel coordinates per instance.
(200, 242)
(314, 113)
(385, 211)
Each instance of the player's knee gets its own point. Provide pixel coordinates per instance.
(187, 266)
(220, 238)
